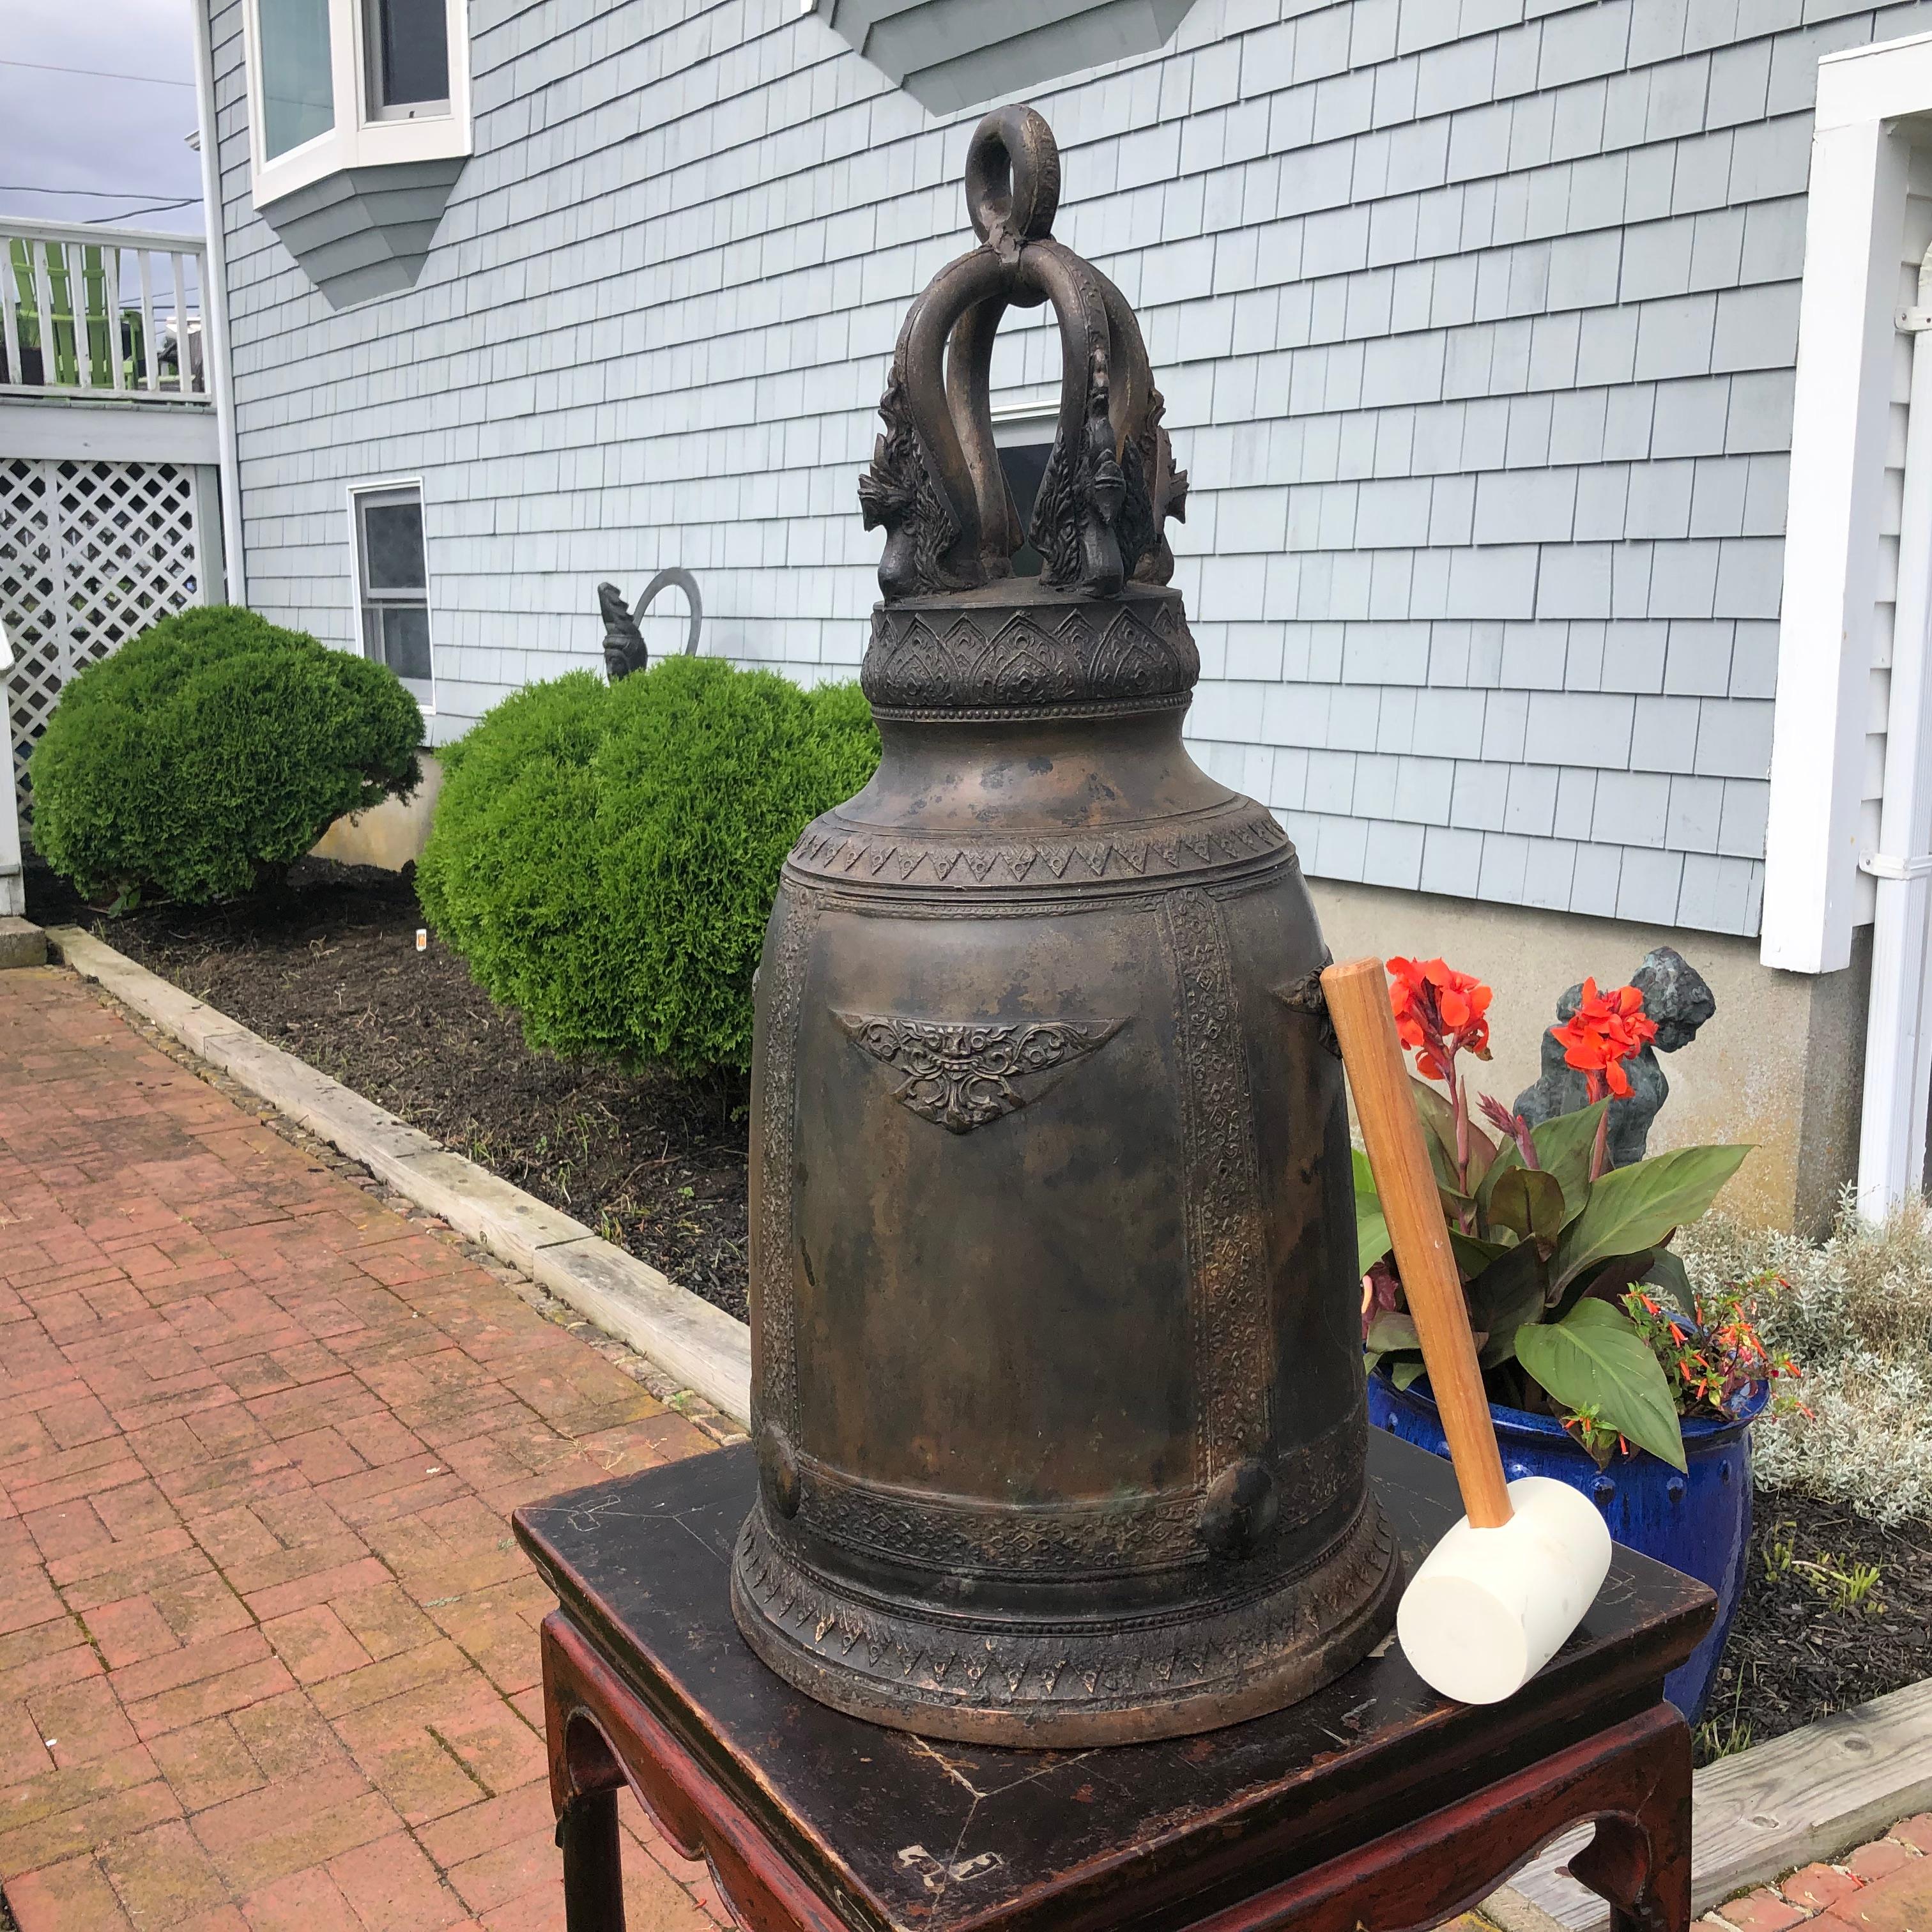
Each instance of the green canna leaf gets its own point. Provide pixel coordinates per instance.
(1594, 1358)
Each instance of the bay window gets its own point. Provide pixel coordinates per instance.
(341, 85)
(298, 87)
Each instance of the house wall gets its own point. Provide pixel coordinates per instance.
(1476, 320)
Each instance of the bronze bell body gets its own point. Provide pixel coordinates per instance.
(1056, 1360)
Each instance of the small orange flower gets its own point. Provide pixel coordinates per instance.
(1606, 1029)
(1439, 1012)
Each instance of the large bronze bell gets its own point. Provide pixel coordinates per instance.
(1057, 1375)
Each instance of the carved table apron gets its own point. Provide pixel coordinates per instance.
(1373, 1803)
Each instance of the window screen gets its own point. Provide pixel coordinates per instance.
(393, 584)
(297, 94)
(408, 46)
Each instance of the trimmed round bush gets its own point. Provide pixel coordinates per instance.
(605, 857)
(208, 754)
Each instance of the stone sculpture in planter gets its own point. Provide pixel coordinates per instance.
(1678, 999)
(1603, 1368)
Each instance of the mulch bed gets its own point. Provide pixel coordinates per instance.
(329, 969)
(1799, 1649)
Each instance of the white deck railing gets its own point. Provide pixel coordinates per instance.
(101, 313)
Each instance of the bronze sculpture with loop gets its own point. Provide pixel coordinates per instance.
(1057, 1386)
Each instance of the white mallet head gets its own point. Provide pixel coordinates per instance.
(1489, 1608)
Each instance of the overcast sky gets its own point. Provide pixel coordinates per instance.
(118, 126)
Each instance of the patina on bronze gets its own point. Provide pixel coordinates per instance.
(1057, 1379)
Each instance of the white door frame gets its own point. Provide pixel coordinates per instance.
(1872, 103)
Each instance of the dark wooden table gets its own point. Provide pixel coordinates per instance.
(1374, 1804)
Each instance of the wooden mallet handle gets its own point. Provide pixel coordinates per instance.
(1358, 1004)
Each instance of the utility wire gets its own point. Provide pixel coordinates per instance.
(99, 73)
(159, 207)
(92, 193)
(105, 194)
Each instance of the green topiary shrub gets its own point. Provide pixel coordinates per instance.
(509, 876)
(210, 753)
(605, 857)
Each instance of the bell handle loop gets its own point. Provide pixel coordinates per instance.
(934, 484)
(969, 360)
(1012, 177)
(1131, 374)
(1356, 993)
(959, 286)
(1085, 352)
(1090, 309)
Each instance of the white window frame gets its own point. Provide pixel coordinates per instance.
(361, 138)
(378, 486)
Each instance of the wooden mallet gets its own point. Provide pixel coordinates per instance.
(1494, 1600)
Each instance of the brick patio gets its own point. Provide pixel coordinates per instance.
(1886, 1886)
(268, 1653)
(267, 1650)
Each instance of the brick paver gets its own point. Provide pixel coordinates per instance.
(1884, 1886)
(268, 1652)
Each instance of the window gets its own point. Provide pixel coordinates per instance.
(297, 89)
(339, 84)
(408, 47)
(392, 583)
(1023, 438)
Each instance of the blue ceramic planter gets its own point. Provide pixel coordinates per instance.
(1699, 1522)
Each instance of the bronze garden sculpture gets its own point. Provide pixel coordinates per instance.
(624, 648)
(1057, 1367)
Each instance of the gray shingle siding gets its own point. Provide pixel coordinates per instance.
(1476, 324)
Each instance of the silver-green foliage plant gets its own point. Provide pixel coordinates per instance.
(605, 856)
(1856, 1310)
(208, 754)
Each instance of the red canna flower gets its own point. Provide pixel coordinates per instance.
(1606, 1029)
(1439, 1012)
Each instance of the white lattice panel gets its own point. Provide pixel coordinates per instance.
(90, 554)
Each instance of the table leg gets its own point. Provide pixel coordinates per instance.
(1640, 1859)
(1632, 1780)
(593, 1874)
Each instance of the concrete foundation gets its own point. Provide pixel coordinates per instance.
(21, 942)
(391, 835)
(1780, 1065)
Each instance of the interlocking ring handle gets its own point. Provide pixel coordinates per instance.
(1012, 176)
(935, 485)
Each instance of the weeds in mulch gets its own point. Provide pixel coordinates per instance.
(1836, 1609)
(327, 968)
